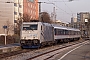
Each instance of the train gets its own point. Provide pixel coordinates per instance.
(39, 34)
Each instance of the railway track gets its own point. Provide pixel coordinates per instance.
(34, 53)
(49, 54)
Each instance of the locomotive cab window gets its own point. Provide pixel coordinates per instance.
(33, 27)
(30, 27)
(25, 28)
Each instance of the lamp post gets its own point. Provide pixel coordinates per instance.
(87, 28)
(5, 28)
(40, 8)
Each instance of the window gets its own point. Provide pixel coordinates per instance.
(66, 32)
(55, 31)
(59, 31)
(20, 6)
(15, 4)
(15, 13)
(20, 14)
(31, 6)
(41, 27)
(62, 32)
(31, 0)
(31, 27)
(25, 28)
(15, 21)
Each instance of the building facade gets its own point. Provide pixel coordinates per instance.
(29, 7)
(82, 16)
(6, 17)
(81, 19)
(80, 24)
(12, 10)
(73, 19)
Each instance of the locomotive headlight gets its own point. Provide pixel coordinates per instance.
(23, 37)
(29, 32)
(30, 35)
(22, 41)
(35, 35)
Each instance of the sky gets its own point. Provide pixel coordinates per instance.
(65, 9)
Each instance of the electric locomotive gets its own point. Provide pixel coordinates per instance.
(36, 34)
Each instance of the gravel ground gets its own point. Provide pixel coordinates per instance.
(27, 55)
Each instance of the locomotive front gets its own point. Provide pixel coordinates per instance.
(30, 35)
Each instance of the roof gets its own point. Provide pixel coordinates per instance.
(66, 28)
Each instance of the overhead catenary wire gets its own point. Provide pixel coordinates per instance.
(64, 1)
(60, 8)
(68, 7)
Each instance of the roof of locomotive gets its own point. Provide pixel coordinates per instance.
(65, 28)
(31, 22)
(46, 24)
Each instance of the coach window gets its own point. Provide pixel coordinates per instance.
(55, 31)
(41, 27)
(79, 33)
(74, 33)
(66, 32)
(70, 32)
(62, 32)
(58, 31)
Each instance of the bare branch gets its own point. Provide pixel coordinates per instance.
(45, 17)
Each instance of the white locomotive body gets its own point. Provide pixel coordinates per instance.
(35, 34)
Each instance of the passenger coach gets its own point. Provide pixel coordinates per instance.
(66, 34)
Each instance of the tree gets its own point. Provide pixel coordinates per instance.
(18, 25)
(26, 18)
(10, 27)
(87, 24)
(70, 0)
(45, 17)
